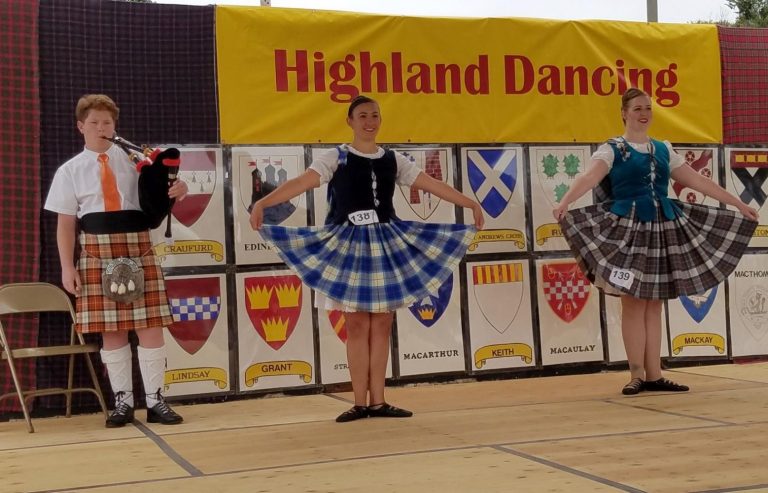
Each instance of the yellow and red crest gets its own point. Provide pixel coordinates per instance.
(274, 305)
(498, 290)
(338, 324)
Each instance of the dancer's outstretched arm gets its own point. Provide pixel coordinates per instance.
(286, 191)
(446, 192)
(581, 185)
(686, 176)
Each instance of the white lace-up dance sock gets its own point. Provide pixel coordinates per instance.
(152, 362)
(120, 371)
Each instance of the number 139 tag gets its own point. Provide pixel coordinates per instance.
(622, 277)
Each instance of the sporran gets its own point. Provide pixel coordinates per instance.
(123, 280)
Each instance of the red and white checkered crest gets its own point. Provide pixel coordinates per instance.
(565, 288)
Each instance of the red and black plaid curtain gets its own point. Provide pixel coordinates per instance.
(744, 55)
(19, 171)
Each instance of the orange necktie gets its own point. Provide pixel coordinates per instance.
(109, 185)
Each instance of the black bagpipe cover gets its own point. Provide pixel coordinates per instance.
(153, 187)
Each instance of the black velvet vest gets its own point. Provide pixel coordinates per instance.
(351, 188)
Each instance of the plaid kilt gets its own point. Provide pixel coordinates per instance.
(685, 256)
(373, 268)
(96, 312)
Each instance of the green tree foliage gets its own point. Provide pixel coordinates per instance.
(752, 13)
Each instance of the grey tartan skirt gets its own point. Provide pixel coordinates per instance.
(660, 259)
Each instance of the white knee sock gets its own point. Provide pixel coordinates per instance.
(152, 363)
(120, 371)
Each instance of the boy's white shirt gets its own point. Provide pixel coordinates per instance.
(76, 186)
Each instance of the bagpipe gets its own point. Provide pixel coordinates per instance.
(157, 169)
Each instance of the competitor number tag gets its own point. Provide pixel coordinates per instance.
(361, 218)
(622, 277)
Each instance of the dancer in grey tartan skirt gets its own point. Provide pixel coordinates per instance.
(637, 243)
(365, 261)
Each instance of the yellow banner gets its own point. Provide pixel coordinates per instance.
(511, 350)
(187, 247)
(286, 76)
(202, 374)
(698, 339)
(547, 231)
(302, 369)
(495, 235)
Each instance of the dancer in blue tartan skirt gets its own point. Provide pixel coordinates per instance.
(637, 243)
(365, 261)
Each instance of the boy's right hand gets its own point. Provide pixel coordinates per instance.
(70, 279)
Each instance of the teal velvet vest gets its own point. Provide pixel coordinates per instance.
(641, 180)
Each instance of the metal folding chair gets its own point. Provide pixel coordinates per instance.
(44, 297)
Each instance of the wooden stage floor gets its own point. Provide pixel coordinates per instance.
(570, 433)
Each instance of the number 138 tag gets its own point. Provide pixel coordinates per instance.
(622, 277)
(361, 218)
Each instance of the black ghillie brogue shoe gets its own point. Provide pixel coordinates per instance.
(664, 385)
(352, 414)
(123, 413)
(162, 412)
(633, 387)
(387, 411)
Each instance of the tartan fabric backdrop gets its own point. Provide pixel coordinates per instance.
(19, 173)
(744, 58)
(156, 61)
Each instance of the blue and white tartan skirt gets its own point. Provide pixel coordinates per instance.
(373, 268)
(666, 258)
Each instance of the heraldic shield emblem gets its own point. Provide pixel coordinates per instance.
(492, 174)
(429, 310)
(273, 304)
(498, 291)
(566, 289)
(698, 306)
(260, 176)
(556, 171)
(749, 168)
(195, 306)
(338, 324)
(433, 162)
(198, 171)
(753, 310)
(703, 166)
